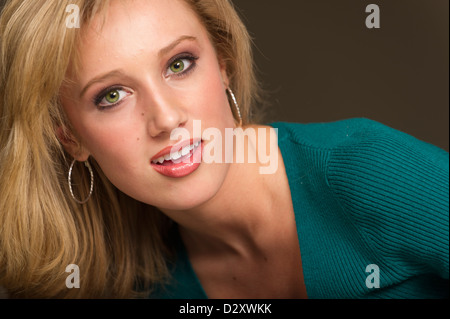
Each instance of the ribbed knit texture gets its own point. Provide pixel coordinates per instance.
(363, 193)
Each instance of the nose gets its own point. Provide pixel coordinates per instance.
(166, 114)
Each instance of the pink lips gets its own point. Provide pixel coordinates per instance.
(182, 166)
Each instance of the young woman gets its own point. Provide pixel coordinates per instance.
(107, 137)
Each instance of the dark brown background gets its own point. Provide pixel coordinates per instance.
(320, 62)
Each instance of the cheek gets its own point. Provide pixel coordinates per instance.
(213, 108)
(115, 150)
(118, 144)
(209, 97)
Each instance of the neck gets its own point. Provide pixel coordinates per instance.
(235, 219)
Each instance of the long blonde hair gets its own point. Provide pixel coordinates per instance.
(118, 243)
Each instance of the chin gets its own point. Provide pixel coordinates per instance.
(184, 202)
(194, 192)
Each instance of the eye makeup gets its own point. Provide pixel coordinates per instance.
(103, 94)
(185, 61)
(180, 57)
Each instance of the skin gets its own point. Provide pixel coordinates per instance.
(232, 244)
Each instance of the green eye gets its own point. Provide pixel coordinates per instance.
(112, 96)
(177, 66)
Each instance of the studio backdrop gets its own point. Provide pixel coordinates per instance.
(326, 60)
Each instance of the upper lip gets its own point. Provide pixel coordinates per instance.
(174, 148)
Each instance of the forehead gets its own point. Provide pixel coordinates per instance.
(129, 28)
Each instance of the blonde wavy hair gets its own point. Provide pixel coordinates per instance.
(121, 246)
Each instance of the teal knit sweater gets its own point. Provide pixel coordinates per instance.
(372, 212)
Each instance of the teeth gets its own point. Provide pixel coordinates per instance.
(185, 151)
(176, 155)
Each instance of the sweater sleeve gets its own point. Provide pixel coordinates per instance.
(395, 189)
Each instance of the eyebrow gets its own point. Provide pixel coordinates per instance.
(172, 45)
(119, 72)
(101, 78)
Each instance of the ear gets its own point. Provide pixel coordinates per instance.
(223, 73)
(71, 144)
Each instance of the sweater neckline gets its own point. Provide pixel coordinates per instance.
(199, 291)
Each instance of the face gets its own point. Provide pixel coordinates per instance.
(149, 69)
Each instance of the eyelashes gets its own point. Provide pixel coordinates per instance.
(111, 96)
(179, 66)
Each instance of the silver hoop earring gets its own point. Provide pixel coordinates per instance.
(236, 106)
(86, 163)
